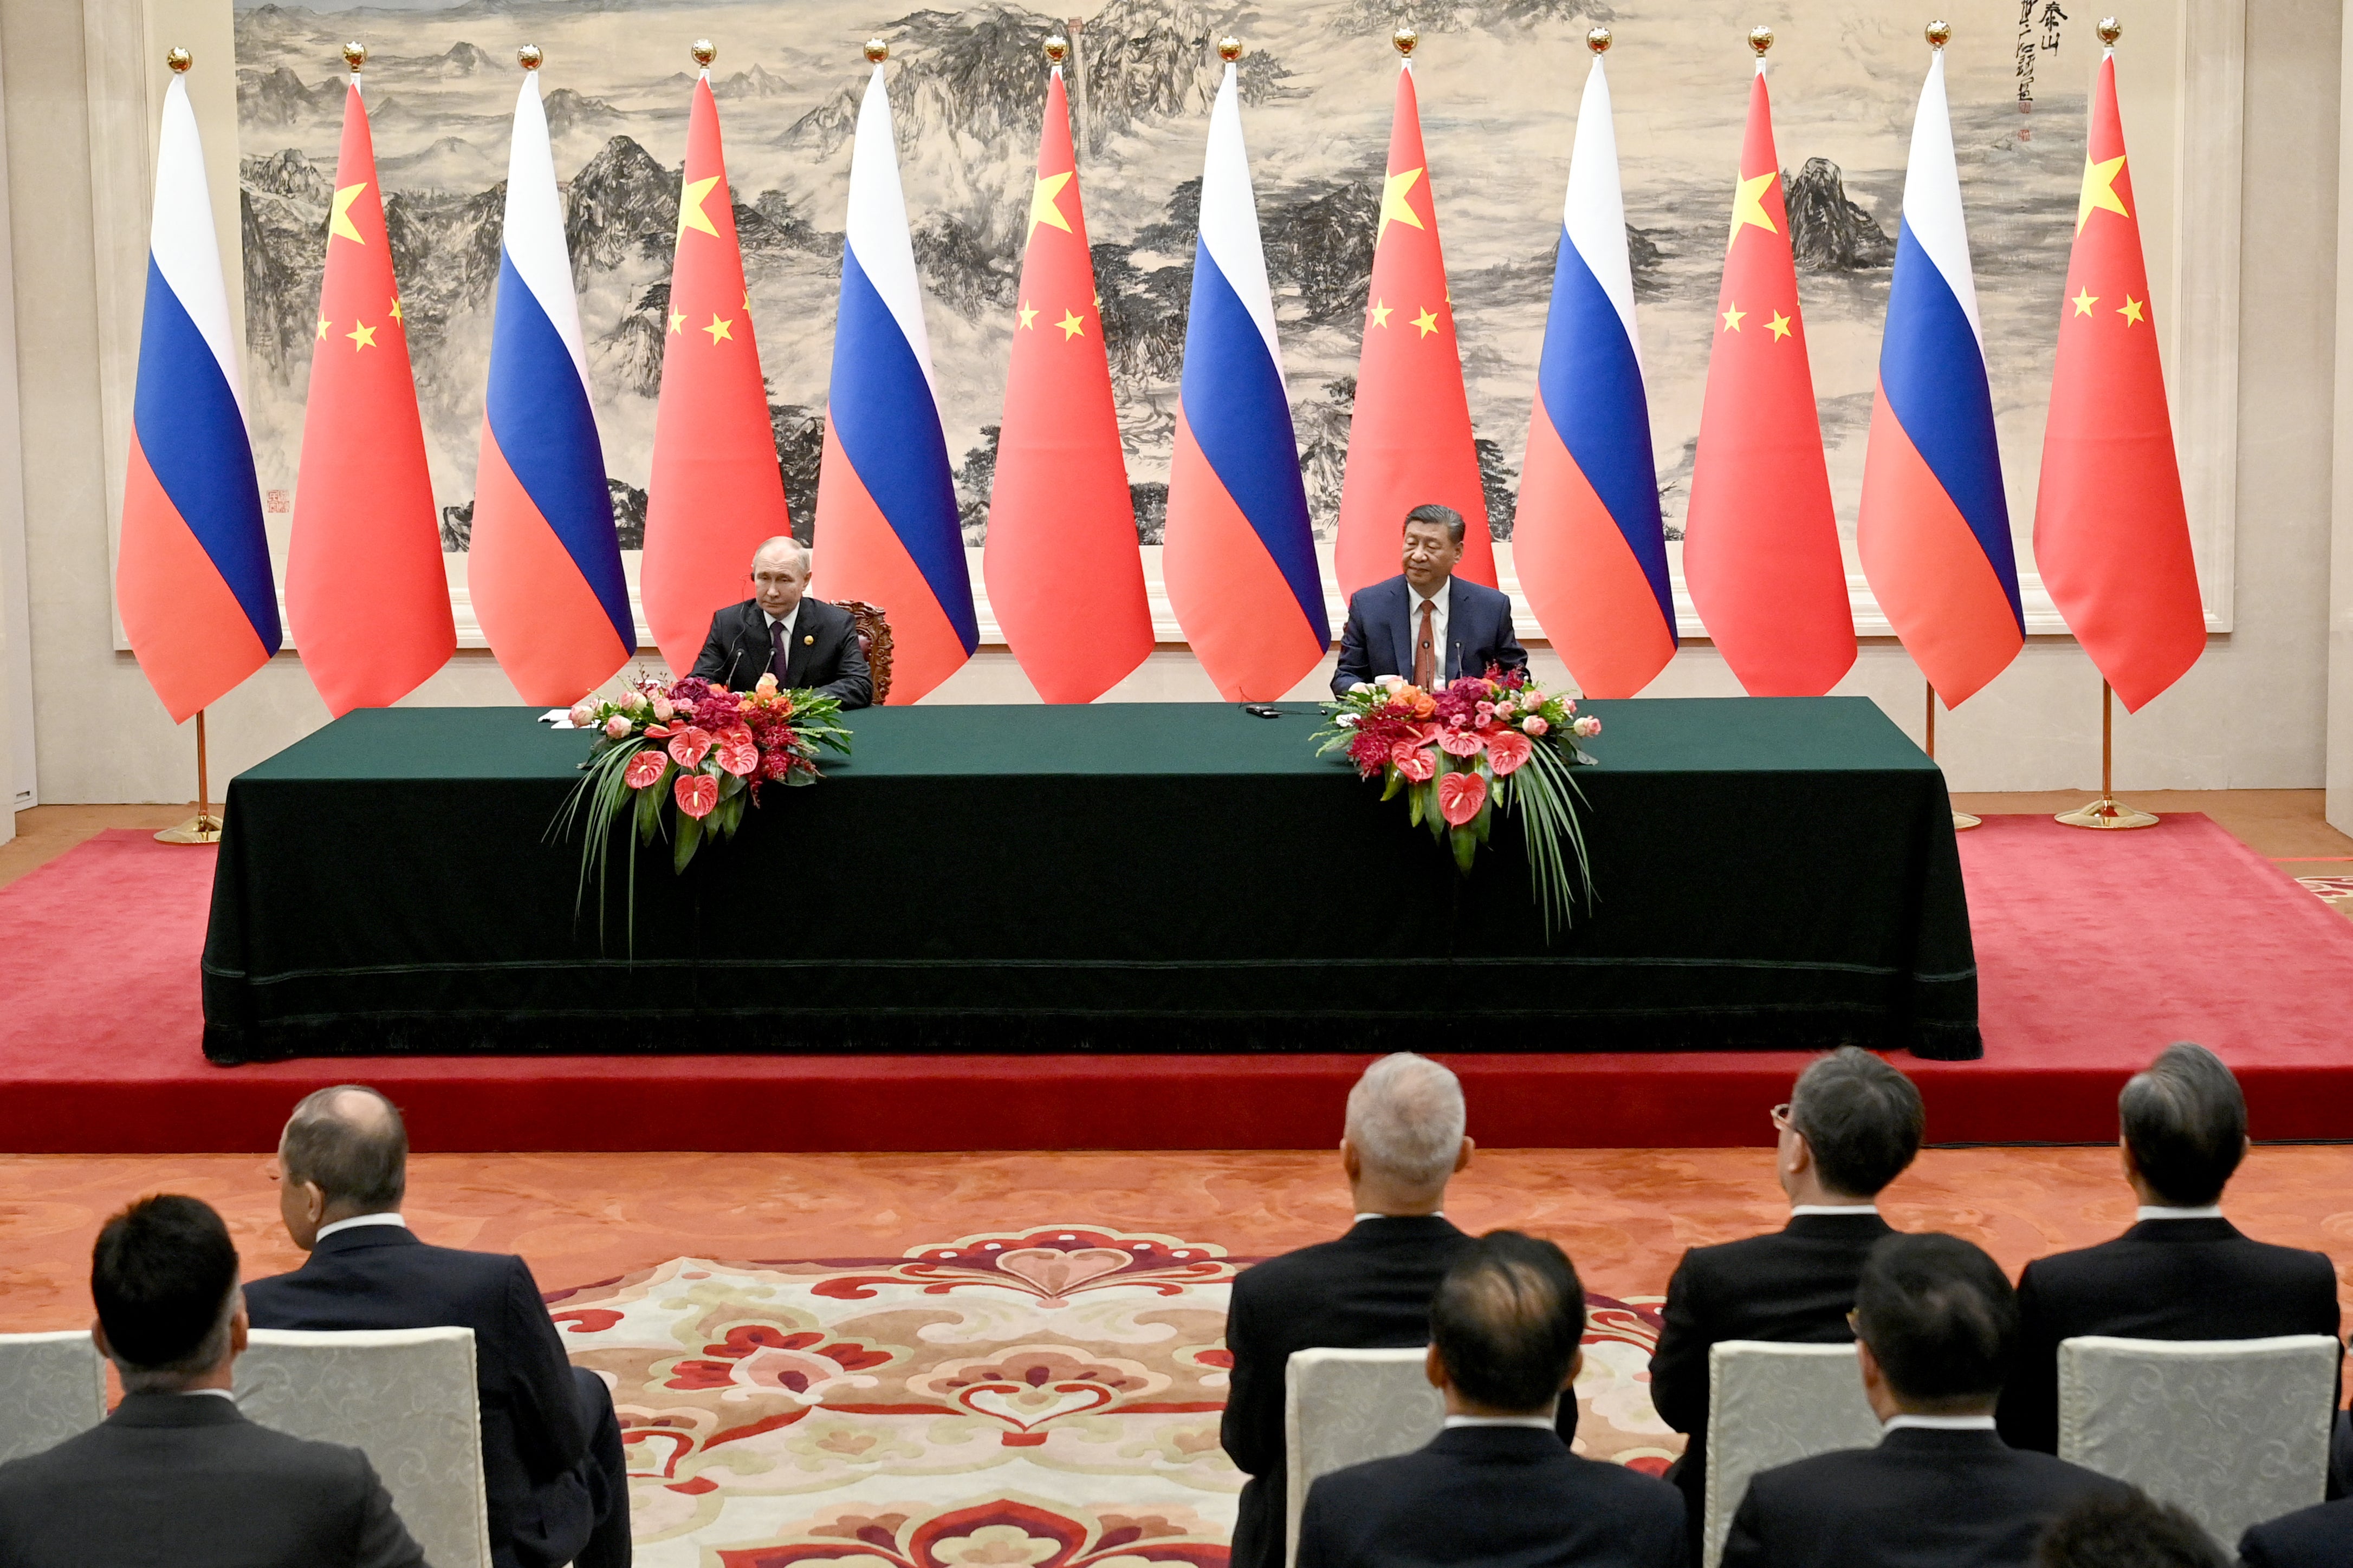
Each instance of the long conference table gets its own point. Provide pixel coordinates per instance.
(1767, 872)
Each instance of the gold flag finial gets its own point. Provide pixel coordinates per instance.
(179, 59)
(528, 56)
(876, 51)
(1938, 33)
(1760, 39)
(1229, 48)
(2109, 29)
(1405, 38)
(1599, 40)
(705, 51)
(1058, 48)
(355, 54)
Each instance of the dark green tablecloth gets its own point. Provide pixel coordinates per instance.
(1768, 872)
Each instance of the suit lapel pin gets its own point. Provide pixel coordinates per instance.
(808, 638)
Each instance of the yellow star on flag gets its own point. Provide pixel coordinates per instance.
(1042, 201)
(1029, 313)
(689, 209)
(1732, 317)
(397, 314)
(1380, 313)
(1072, 325)
(339, 222)
(677, 320)
(363, 336)
(323, 325)
(2083, 302)
(1780, 326)
(2099, 190)
(718, 329)
(1427, 321)
(2130, 310)
(1748, 203)
(1394, 206)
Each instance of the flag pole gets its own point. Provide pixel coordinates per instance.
(1962, 820)
(204, 827)
(2107, 811)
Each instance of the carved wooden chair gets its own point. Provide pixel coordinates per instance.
(873, 641)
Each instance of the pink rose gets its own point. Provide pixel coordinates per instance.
(633, 701)
(1587, 727)
(582, 715)
(1534, 724)
(1414, 762)
(617, 727)
(767, 683)
(662, 709)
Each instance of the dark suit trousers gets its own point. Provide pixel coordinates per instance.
(606, 1474)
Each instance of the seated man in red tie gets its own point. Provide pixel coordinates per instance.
(1426, 624)
(780, 630)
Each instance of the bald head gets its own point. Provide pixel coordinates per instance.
(348, 1142)
(1405, 1122)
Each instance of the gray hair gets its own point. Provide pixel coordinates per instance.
(358, 1158)
(1405, 1118)
(784, 543)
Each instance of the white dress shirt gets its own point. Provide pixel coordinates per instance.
(2158, 1211)
(1438, 603)
(358, 1220)
(1939, 1423)
(1535, 1423)
(1796, 1209)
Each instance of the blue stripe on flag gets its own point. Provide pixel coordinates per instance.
(1934, 374)
(196, 443)
(1235, 406)
(889, 428)
(1592, 389)
(539, 412)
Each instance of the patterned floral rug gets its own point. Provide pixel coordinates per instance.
(1046, 1398)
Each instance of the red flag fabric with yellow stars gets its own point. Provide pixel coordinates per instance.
(1065, 578)
(715, 491)
(1760, 543)
(367, 596)
(1409, 436)
(2110, 531)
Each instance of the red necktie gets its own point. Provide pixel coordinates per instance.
(1425, 652)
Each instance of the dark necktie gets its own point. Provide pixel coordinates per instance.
(780, 654)
(1425, 651)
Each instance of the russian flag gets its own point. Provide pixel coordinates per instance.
(544, 570)
(886, 506)
(192, 574)
(1933, 531)
(1588, 544)
(1239, 554)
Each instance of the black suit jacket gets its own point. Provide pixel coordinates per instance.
(2162, 1279)
(1793, 1286)
(825, 655)
(534, 1434)
(185, 1479)
(1370, 1289)
(1491, 1497)
(1380, 636)
(1920, 1500)
(2318, 1537)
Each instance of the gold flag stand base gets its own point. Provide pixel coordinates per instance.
(205, 827)
(2106, 811)
(1962, 820)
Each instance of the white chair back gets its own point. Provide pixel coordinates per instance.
(52, 1387)
(1342, 1407)
(2233, 1432)
(1771, 1403)
(405, 1397)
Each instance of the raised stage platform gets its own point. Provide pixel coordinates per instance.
(2094, 950)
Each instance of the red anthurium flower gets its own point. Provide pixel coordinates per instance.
(1458, 742)
(696, 793)
(658, 731)
(645, 768)
(689, 747)
(1507, 749)
(738, 753)
(1414, 762)
(1460, 797)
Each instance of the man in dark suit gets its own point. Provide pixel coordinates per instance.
(780, 631)
(1369, 1290)
(554, 1480)
(2182, 1271)
(2317, 1537)
(1937, 1322)
(1498, 1485)
(1853, 1125)
(176, 1475)
(1427, 624)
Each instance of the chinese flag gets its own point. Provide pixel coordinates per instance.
(1409, 437)
(2110, 533)
(1760, 541)
(365, 593)
(715, 491)
(1065, 578)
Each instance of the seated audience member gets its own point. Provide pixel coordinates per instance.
(2317, 1537)
(1497, 1485)
(1369, 1290)
(1852, 1126)
(2182, 1272)
(551, 1467)
(176, 1475)
(2135, 1532)
(1936, 1322)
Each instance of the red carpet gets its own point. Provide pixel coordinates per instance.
(2094, 950)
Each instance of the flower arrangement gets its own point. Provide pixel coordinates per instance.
(681, 760)
(1462, 753)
